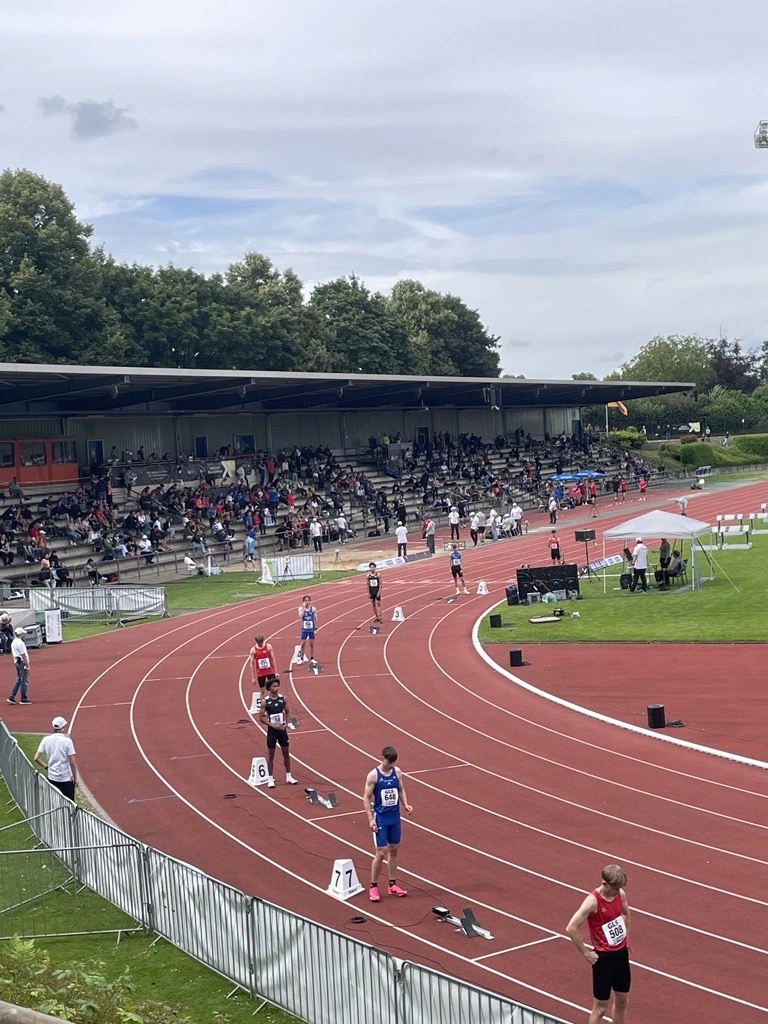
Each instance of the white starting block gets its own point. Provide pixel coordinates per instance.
(314, 798)
(344, 881)
(468, 924)
(374, 629)
(314, 668)
(293, 723)
(482, 587)
(259, 772)
(398, 615)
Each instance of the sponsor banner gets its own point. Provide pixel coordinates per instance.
(381, 563)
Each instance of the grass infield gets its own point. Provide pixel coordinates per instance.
(731, 607)
(159, 971)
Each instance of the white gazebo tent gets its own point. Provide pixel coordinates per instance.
(665, 524)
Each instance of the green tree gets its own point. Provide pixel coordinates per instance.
(446, 337)
(583, 376)
(360, 332)
(674, 358)
(733, 368)
(52, 307)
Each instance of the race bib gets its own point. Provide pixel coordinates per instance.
(615, 931)
(390, 797)
(277, 719)
(264, 663)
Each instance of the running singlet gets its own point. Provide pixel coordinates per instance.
(607, 928)
(262, 660)
(275, 709)
(554, 544)
(373, 585)
(307, 617)
(386, 794)
(455, 559)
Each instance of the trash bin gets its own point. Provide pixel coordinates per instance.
(512, 595)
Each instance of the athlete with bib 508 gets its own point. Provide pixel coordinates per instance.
(606, 912)
(384, 793)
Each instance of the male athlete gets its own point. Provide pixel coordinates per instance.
(383, 793)
(274, 714)
(554, 548)
(374, 591)
(263, 666)
(606, 912)
(308, 616)
(456, 569)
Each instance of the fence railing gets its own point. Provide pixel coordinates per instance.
(310, 970)
(101, 604)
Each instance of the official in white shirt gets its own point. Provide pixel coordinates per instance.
(401, 533)
(639, 566)
(56, 753)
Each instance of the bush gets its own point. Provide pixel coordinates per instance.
(702, 454)
(628, 438)
(753, 447)
(79, 993)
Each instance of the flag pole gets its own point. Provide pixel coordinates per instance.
(606, 421)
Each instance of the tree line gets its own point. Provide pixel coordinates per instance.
(62, 300)
(730, 392)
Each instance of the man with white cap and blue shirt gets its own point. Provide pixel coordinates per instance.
(21, 661)
(56, 753)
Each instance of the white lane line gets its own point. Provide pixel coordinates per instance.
(189, 757)
(442, 768)
(117, 704)
(343, 814)
(514, 949)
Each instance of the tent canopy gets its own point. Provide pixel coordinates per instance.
(659, 524)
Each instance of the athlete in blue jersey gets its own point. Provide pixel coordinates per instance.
(308, 617)
(384, 794)
(456, 569)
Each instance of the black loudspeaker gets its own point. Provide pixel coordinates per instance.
(547, 578)
(584, 535)
(657, 719)
(624, 580)
(495, 621)
(515, 658)
(512, 595)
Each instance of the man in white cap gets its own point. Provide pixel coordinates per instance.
(59, 753)
(20, 656)
(454, 520)
(639, 566)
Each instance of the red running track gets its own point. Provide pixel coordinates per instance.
(518, 803)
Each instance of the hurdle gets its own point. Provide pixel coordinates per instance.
(758, 521)
(734, 532)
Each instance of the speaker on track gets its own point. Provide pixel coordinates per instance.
(584, 535)
(657, 718)
(515, 658)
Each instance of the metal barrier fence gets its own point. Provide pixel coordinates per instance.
(276, 956)
(104, 603)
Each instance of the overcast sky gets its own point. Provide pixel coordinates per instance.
(581, 171)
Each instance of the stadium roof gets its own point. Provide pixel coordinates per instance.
(37, 389)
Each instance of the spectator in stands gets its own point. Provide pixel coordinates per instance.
(6, 633)
(65, 578)
(6, 554)
(91, 571)
(145, 549)
(14, 490)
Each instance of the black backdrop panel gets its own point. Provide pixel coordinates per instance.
(547, 578)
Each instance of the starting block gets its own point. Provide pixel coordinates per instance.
(374, 630)
(468, 924)
(398, 615)
(293, 723)
(450, 600)
(259, 772)
(314, 668)
(314, 797)
(344, 881)
(482, 587)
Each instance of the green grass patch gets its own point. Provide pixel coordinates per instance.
(157, 972)
(718, 611)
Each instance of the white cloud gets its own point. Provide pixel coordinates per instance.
(583, 174)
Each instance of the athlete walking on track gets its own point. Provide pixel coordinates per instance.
(606, 912)
(263, 666)
(308, 617)
(274, 714)
(384, 793)
(456, 569)
(374, 591)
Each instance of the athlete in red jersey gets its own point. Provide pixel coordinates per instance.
(606, 912)
(262, 665)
